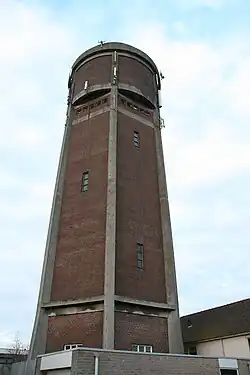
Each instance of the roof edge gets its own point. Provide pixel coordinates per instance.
(215, 308)
(114, 46)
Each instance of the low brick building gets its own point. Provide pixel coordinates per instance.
(106, 362)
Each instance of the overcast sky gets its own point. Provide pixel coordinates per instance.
(203, 49)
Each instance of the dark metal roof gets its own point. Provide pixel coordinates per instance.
(114, 46)
(222, 321)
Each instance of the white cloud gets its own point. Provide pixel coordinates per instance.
(33, 86)
(6, 339)
(206, 145)
(202, 142)
(33, 35)
(215, 157)
(226, 214)
(237, 89)
(179, 27)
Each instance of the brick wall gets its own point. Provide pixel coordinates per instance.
(111, 363)
(138, 329)
(79, 263)
(96, 71)
(136, 74)
(138, 214)
(117, 363)
(83, 363)
(83, 329)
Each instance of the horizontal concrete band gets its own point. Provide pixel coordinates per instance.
(121, 86)
(72, 302)
(135, 90)
(121, 110)
(89, 90)
(121, 299)
(153, 304)
(96, 350)
(64, 311)
(91, 115)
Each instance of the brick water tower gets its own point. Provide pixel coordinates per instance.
(108, 279)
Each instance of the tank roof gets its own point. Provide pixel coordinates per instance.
(114, 46)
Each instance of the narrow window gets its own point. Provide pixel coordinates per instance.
(228, 371)
(136, 139)
(141, 348)
(85, 181)
(86, 83)
(148, 349)
(139, 255)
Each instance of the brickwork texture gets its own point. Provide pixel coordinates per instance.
(111, 363)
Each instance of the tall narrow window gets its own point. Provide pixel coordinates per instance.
(85, 181)
(136, 139)
(139, 255)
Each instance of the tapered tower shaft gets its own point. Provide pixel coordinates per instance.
(108, 279)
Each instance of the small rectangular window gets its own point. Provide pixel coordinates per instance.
(192, 350)
(72, 346)
(136, 139)
(142, 348)
(139, 255)
(85, 181)
(228, 372)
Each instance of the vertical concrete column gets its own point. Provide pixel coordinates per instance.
(110, 245)
(39, 334)
(174, 327)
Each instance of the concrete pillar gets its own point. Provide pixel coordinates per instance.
(39, 334)
(174, 327)
(110, 245)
